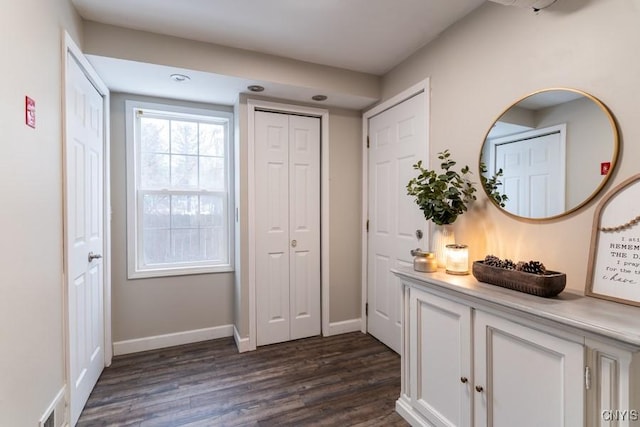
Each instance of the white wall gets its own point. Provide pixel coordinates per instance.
(590, 141)
(31, 286)
(150, 307)
(496, 55)
(122, 43)
(346, 225)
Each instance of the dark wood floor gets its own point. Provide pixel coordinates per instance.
(344, 380)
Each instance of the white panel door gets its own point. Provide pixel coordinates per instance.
(397, 140)
(527, 378)
(533, 175)
(84, 234)
(287, 188)
(272, 227)
(304, 225)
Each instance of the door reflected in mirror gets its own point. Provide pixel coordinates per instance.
(551, 151)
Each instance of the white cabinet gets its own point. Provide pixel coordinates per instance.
(476, 355)
(472, 365)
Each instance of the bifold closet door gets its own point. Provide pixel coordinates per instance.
(287, 188)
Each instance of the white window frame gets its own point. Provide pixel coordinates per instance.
(135, 269)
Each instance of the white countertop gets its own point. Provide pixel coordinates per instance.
(613, 320)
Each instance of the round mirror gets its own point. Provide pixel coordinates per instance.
(549, 153)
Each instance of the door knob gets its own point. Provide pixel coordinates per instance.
(294, 243)
(463, 380)
(419, 234)
(93, 256)
(479, 388)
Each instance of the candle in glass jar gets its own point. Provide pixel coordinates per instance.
(457, 259)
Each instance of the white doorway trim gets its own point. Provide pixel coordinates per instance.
(323, 114)
(71, 48)
(422, 86)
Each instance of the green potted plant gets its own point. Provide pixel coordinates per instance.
(492, 184)
(442, 196)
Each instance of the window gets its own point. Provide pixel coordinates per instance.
(179, 205)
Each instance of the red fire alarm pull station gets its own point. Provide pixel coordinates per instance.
(604, 168)
(30, 112)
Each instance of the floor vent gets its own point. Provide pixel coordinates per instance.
(51, 420)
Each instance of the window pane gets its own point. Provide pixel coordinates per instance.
(184, 137)
(185, 245)
(184, 211)
(214, 244)
(212, 173)
(211, 211)
(154, 135)
(184, 171)
(154, 170)
(180, 191)
(155, 211)
(157, 246)
(211, 139)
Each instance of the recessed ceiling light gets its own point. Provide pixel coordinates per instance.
(319, 97)
(255, 88)
(180, 78)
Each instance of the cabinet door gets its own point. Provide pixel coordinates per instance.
(524, 377)
(440, 359)
(611, 399)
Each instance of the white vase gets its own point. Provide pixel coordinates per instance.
(442, 236)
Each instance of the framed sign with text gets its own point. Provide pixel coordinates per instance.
(614, 263)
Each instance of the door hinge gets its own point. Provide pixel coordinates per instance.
(587, 378)
(367, 226)
(367, 141)
(366, 309)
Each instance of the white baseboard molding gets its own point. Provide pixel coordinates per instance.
(345, 326)
(403, 407)
(58, 404)
(170, 340)
(243, 344)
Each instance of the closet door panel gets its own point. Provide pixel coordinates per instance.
(304, 220)
(272, 227)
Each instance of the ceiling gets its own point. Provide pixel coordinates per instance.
(370, 36)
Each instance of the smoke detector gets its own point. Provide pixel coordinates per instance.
(533, 4)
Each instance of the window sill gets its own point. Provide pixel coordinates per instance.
(179, 271)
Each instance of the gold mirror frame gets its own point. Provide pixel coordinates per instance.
(614, 151)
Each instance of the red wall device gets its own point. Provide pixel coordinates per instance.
(30, 112)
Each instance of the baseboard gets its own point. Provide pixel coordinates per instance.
(243, 344)
(406, 411)
(345, 326)
(57, 407)
(335, 328)
(170, 340)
